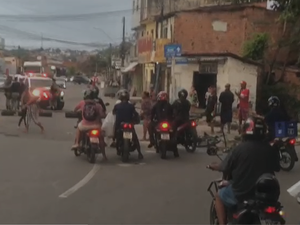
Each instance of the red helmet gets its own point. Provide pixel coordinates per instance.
(162, 96)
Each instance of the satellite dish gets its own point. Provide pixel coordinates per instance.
(39, 58)
(53, 68)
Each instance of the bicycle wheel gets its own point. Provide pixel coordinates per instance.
(28, 117)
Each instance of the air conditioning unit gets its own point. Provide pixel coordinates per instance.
(271, 4)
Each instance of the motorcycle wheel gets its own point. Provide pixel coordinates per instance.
(213, 219)
(125, 151)
(287, 161)
(163, 150)
(77, 152)
(192, 140)
(92, 155)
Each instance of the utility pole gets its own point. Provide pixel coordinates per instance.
(123, 44)
(157, 65)
(110, 60)
(42, 40)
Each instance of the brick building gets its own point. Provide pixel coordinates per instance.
(212, 40)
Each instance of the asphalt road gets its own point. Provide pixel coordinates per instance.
(41, 181)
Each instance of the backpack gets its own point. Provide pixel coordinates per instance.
(89, 112)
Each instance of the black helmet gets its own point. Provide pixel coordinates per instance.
(95, 91)
(88, 95)
(124, 95)
(182, 94)
(273, 101)
(118, 94)
(254, 127)
(267, 188)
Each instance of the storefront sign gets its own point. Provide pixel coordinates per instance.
(160, 50)
(208, 67)
(145, 47)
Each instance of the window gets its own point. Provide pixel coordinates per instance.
(165, 32)
(147, 33)
(152, 33)
(32, 69)
(142, 33)
(40, 83)
(171, 31)
(137, 5)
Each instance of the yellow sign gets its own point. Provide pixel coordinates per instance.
(160, 49)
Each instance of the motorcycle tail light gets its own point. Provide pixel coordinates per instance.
(292, 141)
(194, 124)
(164, 126)
(94, 133)
(127, 126)
(270, 210)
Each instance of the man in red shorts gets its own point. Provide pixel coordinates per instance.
(243, 96)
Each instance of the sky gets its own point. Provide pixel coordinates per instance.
(53, 19)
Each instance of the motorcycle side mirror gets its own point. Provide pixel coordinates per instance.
(212, 151)
(107, 104)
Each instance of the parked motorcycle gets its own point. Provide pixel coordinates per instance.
(253, 211)
(187, 135)
(164, 140)
(126, 143)
(288, 154)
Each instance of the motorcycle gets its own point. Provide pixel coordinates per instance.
(294, 191)
(187, 135)
(126, 143)
(253, 211)
(287, 152)
(89, 141)
(163, 140)
(89, 145)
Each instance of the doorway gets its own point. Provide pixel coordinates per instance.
(201, 82)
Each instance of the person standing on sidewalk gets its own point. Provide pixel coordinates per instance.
(194, 99)
(146, 106)
(210, 111)
(243, 96)
(226, 99)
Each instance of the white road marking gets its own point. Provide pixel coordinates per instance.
(130, 164)
(81, 183)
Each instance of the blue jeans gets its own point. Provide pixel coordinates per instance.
(227, 196)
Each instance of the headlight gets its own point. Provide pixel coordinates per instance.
(62, 93)
(36, 93)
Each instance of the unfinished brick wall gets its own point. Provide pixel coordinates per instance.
(225, 30)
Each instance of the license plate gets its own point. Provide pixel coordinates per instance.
(94, 140)
(165, 136)
(127, 135)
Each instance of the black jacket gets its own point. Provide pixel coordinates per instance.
(162, 111)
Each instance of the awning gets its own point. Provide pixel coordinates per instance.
(130, 67)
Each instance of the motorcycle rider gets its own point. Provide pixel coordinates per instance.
(126, 113)
(181, 109)
(95, 93)
(15, 90)
(92, 113)
(55, 91)
(249, 160)
(7, 93)
(276, 114)
(161, 111)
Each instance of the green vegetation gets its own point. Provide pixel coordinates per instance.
(255, 48)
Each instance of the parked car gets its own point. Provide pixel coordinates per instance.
(80, 79)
